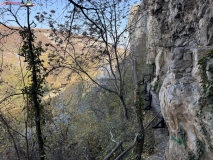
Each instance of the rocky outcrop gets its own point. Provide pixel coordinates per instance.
(176, 34)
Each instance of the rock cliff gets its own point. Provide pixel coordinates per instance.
(176, 34)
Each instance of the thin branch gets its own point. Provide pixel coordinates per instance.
(9, 27)
(10, 96)
(81, 7)
(115, 149)
(85, 148)
(11, 136)
(5, 123)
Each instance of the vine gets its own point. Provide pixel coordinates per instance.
(183, 135)
(34, 90)
(182, 139)
(207, 98)
(177, 140)
(199, 151)
(207, 84)
(207, 136)
(157, 86)
(28, 58)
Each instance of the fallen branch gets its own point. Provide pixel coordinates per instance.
(115, 149)
(85, 148)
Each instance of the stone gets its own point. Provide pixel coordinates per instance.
(208, 66)
(174, 70)
(198, 53)
(210, 35)
(184, 64)
(179, 42)
(186, 74)
(187, 56)
(202, 10)
(192, 44)
(159, 61)
(178, 76)
(203, 35)
(189, 69)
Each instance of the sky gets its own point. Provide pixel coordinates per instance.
(56, 5)
(60, 6)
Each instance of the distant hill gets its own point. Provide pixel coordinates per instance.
(10, 40)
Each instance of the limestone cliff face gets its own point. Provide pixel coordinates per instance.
(176, 34)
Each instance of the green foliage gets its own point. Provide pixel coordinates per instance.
(139, 101)
(34, 91)
(157, 86)
(206, 84)
(177, 140)
(183, 136)
(91, 114)
(33, 60)
(140, 137)
(207, 135)
(191, 155)
(149, 147)
(200, 148)
(199, 151)
(182, 140)
(207, 99)
(203, 130)
(150, 66)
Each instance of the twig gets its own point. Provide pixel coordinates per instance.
(115, 149)
(85, 148)
(5, 123)
(10, 96)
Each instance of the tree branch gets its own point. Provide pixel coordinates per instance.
(10, 96)
(85, 148)
(115, 149)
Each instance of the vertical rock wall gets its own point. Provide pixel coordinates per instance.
(176, 34)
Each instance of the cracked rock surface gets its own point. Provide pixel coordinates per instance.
(176, 34)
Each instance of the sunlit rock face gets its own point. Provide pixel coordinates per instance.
(179, 100)
(177, 34)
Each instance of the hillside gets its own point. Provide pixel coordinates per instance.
(11, 42)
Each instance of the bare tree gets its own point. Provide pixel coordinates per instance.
(105, 25)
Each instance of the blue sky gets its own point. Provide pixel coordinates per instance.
(56, 5)
(60, 6)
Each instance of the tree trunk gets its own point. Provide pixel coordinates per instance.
(35, 94)
(138, 106)
(123, 106)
